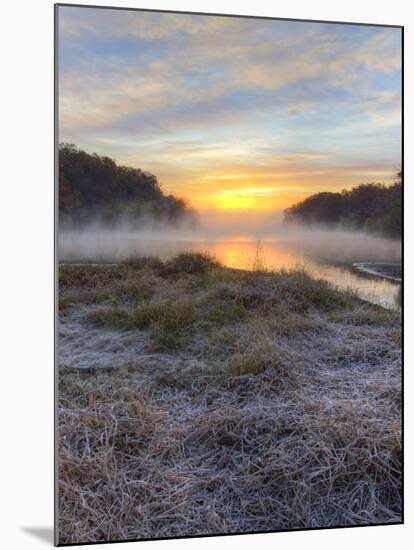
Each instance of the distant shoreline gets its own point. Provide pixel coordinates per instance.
(385, 270)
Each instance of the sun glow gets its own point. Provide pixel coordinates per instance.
(234, 202)
(248, 198)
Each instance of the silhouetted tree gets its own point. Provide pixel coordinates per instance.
(374, 207)
(94, 186)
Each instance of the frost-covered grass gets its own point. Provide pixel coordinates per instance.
(237, 401)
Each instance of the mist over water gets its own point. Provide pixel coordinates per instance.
(237, 242)
(98, 243)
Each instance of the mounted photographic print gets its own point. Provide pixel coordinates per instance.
(228, 229)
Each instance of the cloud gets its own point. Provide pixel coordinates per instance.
(203, 101)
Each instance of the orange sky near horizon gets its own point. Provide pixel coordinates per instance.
(255, 191)
(218, 179)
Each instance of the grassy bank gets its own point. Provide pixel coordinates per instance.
(196, 399)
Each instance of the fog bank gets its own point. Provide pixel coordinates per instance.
(97, 243)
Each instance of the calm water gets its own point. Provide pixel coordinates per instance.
(276, 255)
(330, 258)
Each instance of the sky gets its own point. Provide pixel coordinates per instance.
(233, 114)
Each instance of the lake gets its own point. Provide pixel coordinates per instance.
(348, 261)
(276, 255)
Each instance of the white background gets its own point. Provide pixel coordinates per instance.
(26, 289)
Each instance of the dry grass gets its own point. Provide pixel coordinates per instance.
(280, 410)
(189, 263)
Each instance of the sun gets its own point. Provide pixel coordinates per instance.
(250, 198)
(234, 202)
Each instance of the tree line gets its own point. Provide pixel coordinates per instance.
(94, 187)
(372, 207)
